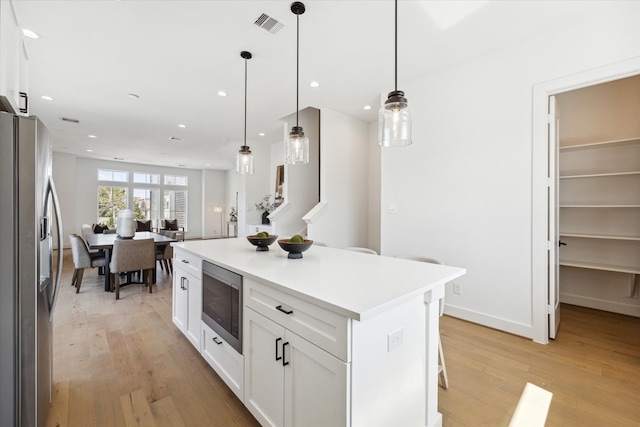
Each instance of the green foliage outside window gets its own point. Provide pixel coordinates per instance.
(111, 200)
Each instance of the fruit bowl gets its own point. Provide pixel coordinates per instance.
(262, 243)
(295, 249)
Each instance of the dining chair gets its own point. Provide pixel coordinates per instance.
(110, 231)
(132, 255)
(442, 367)
(87, 230)
(171, 225)
(82, 259)
(164, 256)
(363, 250)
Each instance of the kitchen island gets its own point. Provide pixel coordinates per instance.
(336, 338)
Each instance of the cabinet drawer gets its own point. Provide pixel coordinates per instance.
(326, 329)
(190, 263)
(224, 359)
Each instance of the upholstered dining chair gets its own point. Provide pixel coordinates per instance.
(171, 225)
(164, 255)
(82, 259)
(442, 367)
(129, 256)
(363, 250)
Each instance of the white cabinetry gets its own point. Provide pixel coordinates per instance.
(289, 381)
(187, 295)
(600, 208)
(13, 57)
(224, 359)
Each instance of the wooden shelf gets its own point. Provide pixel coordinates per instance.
(597, 175)
(598, 266)
(600, 236)
(600, 144)
(600, 206)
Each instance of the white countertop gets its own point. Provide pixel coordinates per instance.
(353, 284)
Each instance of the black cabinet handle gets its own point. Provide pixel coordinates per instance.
(278, 357)
(279, 308)
(185, 261)
(182, 279)
(283, 355)
(561, 243)
(215, 340)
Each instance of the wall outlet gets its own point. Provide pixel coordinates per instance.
(457, 288)
(394, 339)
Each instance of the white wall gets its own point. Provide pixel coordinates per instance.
(463, 190)
(344, 185)
(301, 188)
(77, 182)
(213, 194)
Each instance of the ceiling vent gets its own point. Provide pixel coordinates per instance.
(268, 23)
(67, 119)
(176, 139)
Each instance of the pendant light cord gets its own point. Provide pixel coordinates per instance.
(396, 47)
(245, 102)
(297, 65)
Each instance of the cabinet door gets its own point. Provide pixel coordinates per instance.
(316, 384)
(194, 309)
(180, 299)
(224, 359)
(264, 373)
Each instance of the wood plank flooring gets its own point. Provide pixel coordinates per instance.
(124, 363)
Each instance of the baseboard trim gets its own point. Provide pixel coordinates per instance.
(600, 304)
(483, 319)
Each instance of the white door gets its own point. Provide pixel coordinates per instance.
(553, 238)
(264, 373)
(315, 385)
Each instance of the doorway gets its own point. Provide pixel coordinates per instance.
(545, 271)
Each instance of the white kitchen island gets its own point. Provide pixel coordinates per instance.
(337, 338)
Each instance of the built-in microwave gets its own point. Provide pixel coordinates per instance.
(222, 303)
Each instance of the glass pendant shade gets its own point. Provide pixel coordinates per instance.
(296, 148)
(394, 121)
(244, 162)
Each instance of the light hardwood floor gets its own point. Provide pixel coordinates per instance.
(124, 363)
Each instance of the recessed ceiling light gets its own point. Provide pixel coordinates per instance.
(46, 98)
(30, 34)
(367, 107)
(133, 96)
(182, 126)
(261, 134)
(89, 150)
(222, 93)
(92, 136)
(207, 164)
(314, 84)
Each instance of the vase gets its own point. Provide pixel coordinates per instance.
(265, 219)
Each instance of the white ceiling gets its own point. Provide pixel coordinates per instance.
(176, 55)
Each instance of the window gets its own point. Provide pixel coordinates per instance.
(175, 206)
(146, 178)
(111, 200)
(175, 180)
(113, 175)
(145, 204)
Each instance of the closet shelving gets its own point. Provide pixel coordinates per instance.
(600, 207)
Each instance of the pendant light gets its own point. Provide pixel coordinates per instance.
(296, 148)
(394, 120)
(244, 159)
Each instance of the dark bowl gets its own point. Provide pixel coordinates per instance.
(262, 243)
(295, 249)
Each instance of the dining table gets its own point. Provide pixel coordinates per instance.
(105, 242)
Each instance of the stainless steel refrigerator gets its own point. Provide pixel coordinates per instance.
(29, 270)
